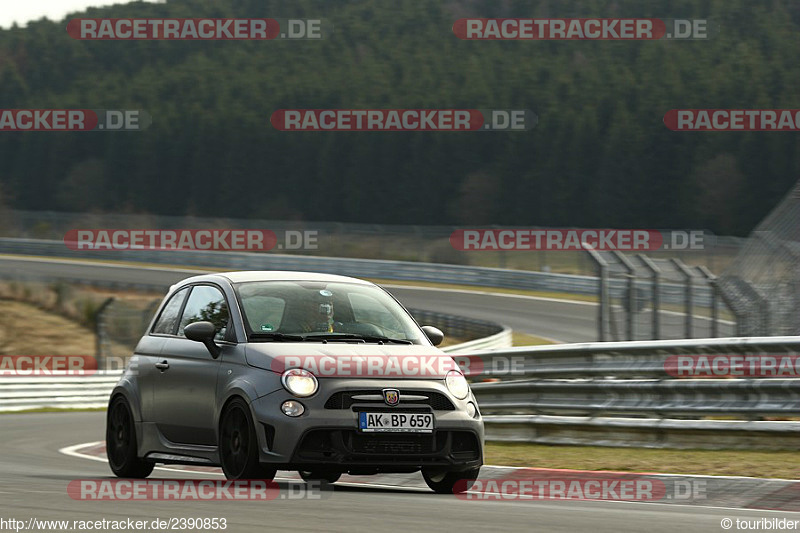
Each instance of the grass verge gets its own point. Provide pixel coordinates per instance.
(474, 288)
(768, 464)
(523, 339)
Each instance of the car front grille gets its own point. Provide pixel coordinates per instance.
(354, 447)
(408, 398)
(393, 444)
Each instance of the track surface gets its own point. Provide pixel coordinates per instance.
(34, 478)
(560, 320)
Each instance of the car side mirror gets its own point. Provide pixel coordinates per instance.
(434, 335)
(203, 332)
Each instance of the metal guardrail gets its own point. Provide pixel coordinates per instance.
(659, 411)
(622, 394)
(499, 340)
(631, 360)
(484, 335)
(63, 392)
(677, 398)
(644, 432)
(364, 268)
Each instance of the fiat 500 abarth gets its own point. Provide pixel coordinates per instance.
(264, 371)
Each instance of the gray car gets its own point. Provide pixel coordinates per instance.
(264, 371)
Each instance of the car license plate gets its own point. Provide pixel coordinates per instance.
(395, 422)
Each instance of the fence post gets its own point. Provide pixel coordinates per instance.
(687, 275)
(656, 273)
(99, 320)
(712, 282)
(602, 291)
(630, 304)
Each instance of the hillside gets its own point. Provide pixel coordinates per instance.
(599, 156)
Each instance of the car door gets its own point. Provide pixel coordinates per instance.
(185, 388)
(148, 351)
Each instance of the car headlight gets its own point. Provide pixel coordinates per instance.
(299, 382)
(457, 384)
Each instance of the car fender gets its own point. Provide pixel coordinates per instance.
(240, 387)
(127, 389)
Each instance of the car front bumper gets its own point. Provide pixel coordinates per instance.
(326, 435)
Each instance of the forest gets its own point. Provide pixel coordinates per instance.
(599, 156)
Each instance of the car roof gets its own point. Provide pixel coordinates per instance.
(277, 275)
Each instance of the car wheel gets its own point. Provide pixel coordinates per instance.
(238, 444)
(444, 482)
(320, 475)
(121, 448)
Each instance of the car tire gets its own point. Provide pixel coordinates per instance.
(121, 444)
(320, 475)
(444, 482)
(238, 444)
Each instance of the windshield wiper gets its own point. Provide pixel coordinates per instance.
(356, 337)
(274, 336)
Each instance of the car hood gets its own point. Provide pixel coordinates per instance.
(348, 360)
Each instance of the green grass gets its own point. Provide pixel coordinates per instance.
(771, 464)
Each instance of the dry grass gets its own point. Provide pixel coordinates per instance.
(774, 464)
(523, 339)
(28, 330)
(473, 288)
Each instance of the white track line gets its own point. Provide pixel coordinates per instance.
(72, 452)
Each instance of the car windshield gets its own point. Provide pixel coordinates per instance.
(311, 310)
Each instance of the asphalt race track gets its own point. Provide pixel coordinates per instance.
(560, 320)
(35, 476)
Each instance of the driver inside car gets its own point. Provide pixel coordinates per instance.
(318, 316)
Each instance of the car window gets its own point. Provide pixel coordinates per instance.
(311, 307)
(168, 320)
(368, 310)
(206, 303)
(264, 313)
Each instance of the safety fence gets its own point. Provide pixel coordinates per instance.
(762, 284)
(680, 308)
(643, 297)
